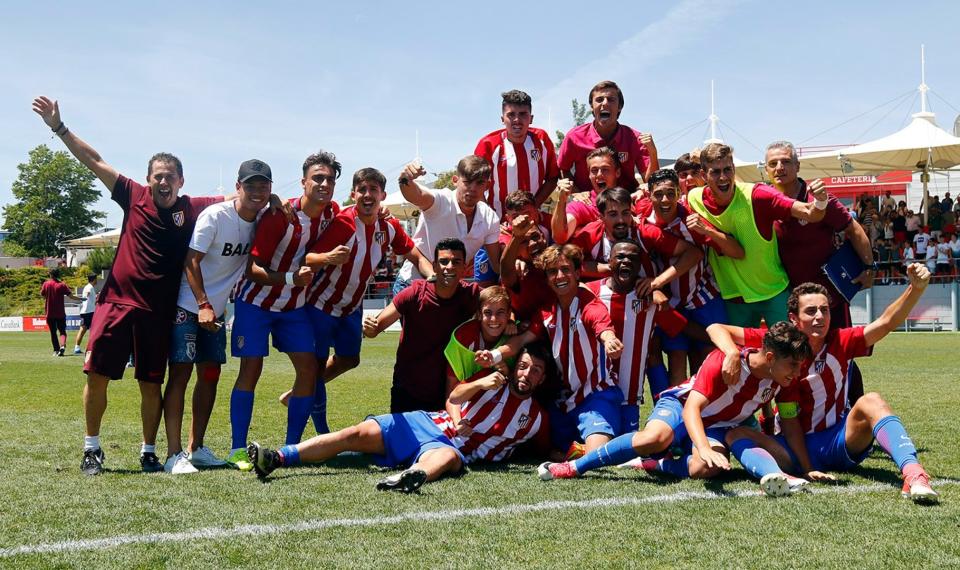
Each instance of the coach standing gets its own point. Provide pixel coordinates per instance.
(135, 312)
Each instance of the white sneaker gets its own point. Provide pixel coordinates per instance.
(775, 485)
(179, 464)
(797, 484)
(204, 457)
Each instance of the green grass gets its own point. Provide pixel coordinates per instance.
(46, 500)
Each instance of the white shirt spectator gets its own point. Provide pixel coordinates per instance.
(931, 256)
(89, 295)
(920, 241)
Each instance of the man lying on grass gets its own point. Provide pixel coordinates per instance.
(820, 432)
(501, 414)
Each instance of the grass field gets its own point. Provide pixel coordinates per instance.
(497, 516)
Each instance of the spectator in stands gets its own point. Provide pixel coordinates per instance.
(920, 240)
(944, 256)
(913, 225)
(946, 204)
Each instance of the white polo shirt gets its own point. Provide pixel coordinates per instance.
(445, 220)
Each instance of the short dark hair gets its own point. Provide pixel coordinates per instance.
(91, 277)
(167, 158)
(516, 97)
(54, 274)
(808, 288)
(323, 158)
(663, 175)
(541, 351)
(785, 340)
(449, 244)
(518, 200)
(606, 85)
(553, 254)
(369, 174)
(715, 151)
(687, 161)
(606, 151)
(627, 241)
(615, 194)
(473, 168)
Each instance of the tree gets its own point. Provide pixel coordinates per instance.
(445, 179)
(580, 114)
(55, 193)
(101, 258)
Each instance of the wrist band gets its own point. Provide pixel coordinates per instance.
(820, 204)
(205, 305)
(288, 277)
(497, 356)
(58, 127)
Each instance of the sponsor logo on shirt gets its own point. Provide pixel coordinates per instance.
(178, 218)
(230, 249)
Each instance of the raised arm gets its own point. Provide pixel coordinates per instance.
(897, 311)
(726, 243)
(689, 255)
(49, 111)
(509, 276)
(412, 191)
(812, 211)
(560, 222)
(420, 261)
(259, 273)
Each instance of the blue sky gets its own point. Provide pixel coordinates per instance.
(220, 82)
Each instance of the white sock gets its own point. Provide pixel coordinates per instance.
(91, 442)
(148, 448)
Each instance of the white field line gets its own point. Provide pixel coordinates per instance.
(220, 533)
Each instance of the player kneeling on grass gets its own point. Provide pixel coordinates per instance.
(701, 412)
(501, 413)
(819, 432)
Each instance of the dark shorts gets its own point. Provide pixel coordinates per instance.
(190, 343)
(87, 319)
(119, 330)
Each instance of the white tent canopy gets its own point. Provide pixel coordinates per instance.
(103, 239)
(399, 206)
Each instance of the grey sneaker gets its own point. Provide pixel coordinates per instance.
(204, 457)
(92, 462)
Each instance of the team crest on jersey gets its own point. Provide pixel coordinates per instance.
(638, 305)
(623, 156)
(380, 237)
(324, 224)
(819, 365)
(766, 394)
(178, 218)
(523, 421)
(181, 317)
(535, 154)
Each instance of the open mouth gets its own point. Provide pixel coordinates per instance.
(604, 115)
(724, 187)
(625, 272)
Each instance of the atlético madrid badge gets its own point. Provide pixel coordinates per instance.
(178, 218)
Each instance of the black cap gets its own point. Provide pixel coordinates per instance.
(253, 168)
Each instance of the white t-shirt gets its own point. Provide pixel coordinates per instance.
(225, 240)
(943, 252)
(89, 295)
(920, 241)
(445, 220)
(931, 256)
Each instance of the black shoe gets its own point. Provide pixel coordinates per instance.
(149, 463)
(264, 460)
(405, 481)
(92, 462)
(60, 352)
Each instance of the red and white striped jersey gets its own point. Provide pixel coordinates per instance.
(633, 322)
(517, 166)
(727, 406)
(574, 335)
(500, 420)
(282, 246)
(821, 392)
(698, 286)
(339, 289)
(596, 244)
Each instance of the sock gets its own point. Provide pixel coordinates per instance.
(241, 413)
(289, 456)
(755, 459)
(892, 437)
(658, 379)
(319, 411)
(676, 467)
(91, 442)
(616, 451)
(298, 412)
(146, 448)
(76, 347)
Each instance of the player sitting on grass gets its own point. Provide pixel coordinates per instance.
(501, 413)
(702, 411)
(819, 432)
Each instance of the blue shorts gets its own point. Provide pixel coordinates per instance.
(342, 333)
(407, 436)
(483, 269)
(629, 418)
(669, 410)
(191, 343)
(598, 413)
(828, 449)
(715, 311)
(291, 330)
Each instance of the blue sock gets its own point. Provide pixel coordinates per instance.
(241, 413)
(658, 380)
(755, 459)
(616, 451)
(319, 411)
(298, 412)
(289, 455)
(892, 437)
(676, 467)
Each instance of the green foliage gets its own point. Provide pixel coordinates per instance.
(101, 258)
(445, 179)
(20, 288)
(581, 112)
(54, 193)
(10, 248)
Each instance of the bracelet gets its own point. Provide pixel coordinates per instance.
(288, 277)
(497, 356)
(58, 127)
(820, 204)
(205, 305)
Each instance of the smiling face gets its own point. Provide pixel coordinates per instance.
(618, 220)
(449, 267)
(516, 119)
(563, 278)
(528, 374)
(494, 317)
(783, 371)
(605, 104)
(720, 177)
(625, 259)
(691, 178)
(253, 194)
(813, 317)
(165, 183)
(603, 173)
(319, 184)
(664, 197)
(367, 196)
(781, 167)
